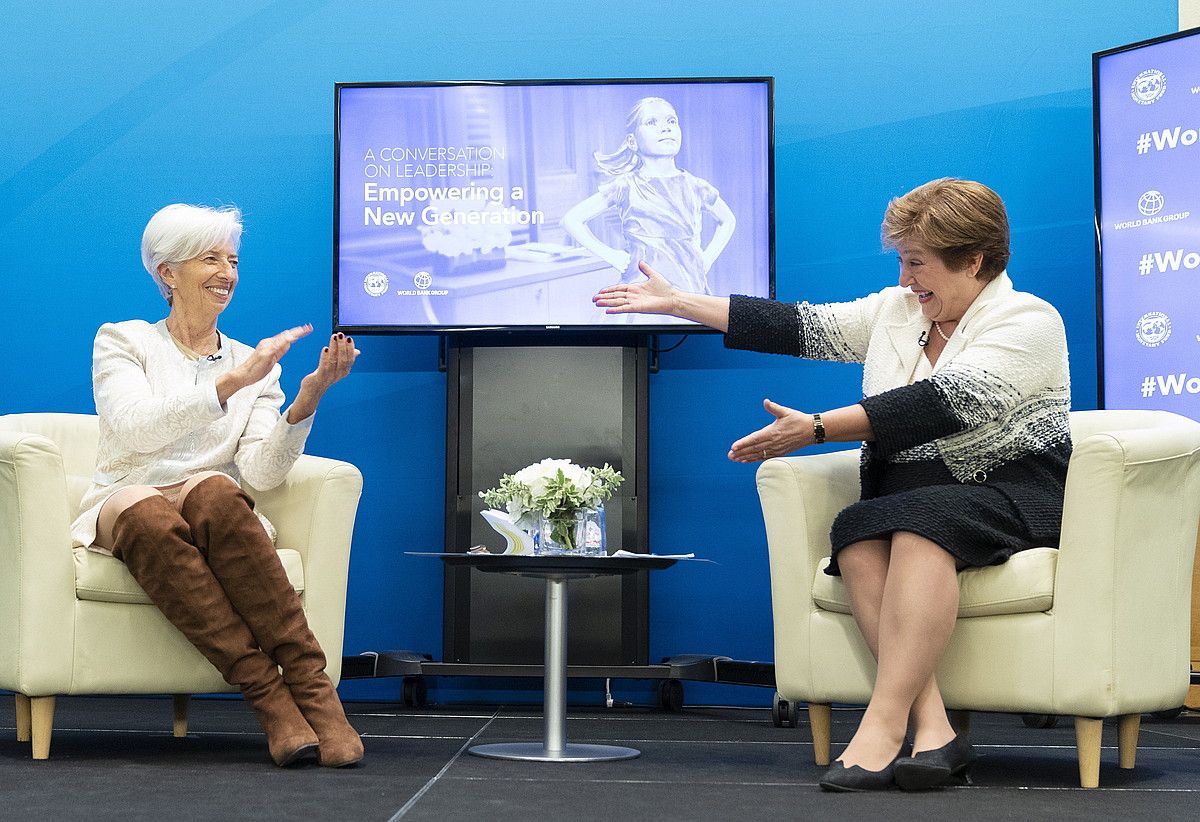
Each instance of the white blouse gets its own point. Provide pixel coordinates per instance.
(161, 422)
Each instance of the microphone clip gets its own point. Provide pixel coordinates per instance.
(923, 340)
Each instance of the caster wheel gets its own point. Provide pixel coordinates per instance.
(784, 713)
(1039, 720)
(670, 695)
(414, 692)
(1170, 713)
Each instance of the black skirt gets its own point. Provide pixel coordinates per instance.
(978, 524)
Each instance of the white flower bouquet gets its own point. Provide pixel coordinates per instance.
(553, 490)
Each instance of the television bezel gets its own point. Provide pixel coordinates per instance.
(1097, 57)
(616, 331)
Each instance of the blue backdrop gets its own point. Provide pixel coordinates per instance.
(112, 111)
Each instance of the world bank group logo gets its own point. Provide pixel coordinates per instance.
(1153, 329)
(1151, 203)
(1148, 87)
(375, 283)
(423, 280)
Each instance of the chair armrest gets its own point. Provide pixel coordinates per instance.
(37, 575)
(313, 510)
(800, 498)
(1122, 599)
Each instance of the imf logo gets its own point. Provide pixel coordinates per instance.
(1153, 329)
(1151, 203)
(423, 280)
(1148, 86)
(376, 283)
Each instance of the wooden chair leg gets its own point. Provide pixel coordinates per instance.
(41, 710)
(820, 718)
(23, 717)
(1087, 742)
(179, 727)
(1127, 736)
(960, 721)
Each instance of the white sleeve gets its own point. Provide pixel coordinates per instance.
(270, 445)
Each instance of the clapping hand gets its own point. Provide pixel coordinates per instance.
(653, 295)
(335, 362)
(270, 351)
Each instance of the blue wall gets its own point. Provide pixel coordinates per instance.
(112, 111)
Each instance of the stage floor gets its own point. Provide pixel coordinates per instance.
(115, 758)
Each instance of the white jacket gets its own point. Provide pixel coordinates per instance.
(1003, 374)
(161, 422)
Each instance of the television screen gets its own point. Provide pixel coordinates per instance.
(465, 206)
(1147, 102)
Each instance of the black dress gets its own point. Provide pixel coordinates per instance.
(1009, 508)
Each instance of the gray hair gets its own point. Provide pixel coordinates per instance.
(180, 232)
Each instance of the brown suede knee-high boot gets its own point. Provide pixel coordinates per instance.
(152, 539)
(242, 557)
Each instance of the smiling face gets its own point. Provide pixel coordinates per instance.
(203, 285)
(657, 132)
(944, 293)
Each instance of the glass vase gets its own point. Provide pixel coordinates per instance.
(590, 539)
(578, 534)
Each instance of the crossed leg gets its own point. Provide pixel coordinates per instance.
(904, 595)
(115, 505)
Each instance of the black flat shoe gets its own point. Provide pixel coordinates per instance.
(934, 769)
(841, 779)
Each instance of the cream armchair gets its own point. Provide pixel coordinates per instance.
(1096, 628)
(76, 622)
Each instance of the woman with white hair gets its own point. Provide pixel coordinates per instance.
(186, 415)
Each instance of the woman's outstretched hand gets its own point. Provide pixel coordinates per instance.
(335, 362)
(790, 430)
(653, 295)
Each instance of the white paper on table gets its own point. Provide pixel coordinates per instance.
(633, 555)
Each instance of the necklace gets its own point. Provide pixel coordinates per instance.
(197, 352)
(940, 332)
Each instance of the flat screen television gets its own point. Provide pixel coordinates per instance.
(483, 206)
(1146, 99)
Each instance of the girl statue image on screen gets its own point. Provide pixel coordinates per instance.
(661, 206)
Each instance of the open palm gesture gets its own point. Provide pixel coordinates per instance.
(653, 295)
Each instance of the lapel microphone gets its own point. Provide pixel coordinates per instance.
(215, 357)
(923, 339)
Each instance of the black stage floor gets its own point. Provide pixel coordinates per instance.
(114, 758)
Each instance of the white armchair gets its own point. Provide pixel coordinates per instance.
(76, 622)
(1098, 627)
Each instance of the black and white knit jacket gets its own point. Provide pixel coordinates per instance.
(994, 410)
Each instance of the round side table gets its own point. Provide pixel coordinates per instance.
(557, 571)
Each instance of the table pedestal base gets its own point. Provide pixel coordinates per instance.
(537, 752)
(554, 747)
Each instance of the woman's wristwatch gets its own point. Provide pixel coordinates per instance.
(818, 430)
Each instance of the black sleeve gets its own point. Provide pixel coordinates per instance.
(757, 324)
(908, 416)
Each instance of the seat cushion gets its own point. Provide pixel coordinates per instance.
(101, 578)
(1023, 585)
